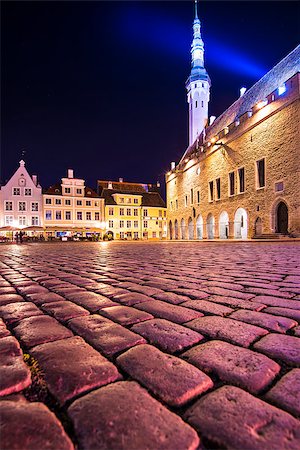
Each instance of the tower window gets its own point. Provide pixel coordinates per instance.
(202, 103)
(202, 84)
(196, 104)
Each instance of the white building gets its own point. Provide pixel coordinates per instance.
(21, 201)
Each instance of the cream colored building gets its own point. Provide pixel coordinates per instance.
(72, 209)
(133, 211)
(240, 178)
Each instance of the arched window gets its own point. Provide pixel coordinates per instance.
(202, 103)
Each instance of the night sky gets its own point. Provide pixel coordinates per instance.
(99, 86)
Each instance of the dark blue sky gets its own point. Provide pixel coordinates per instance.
(99, 86)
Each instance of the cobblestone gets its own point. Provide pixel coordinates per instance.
(235, 419)
(239, 366)
(181, 319)
(173, 380)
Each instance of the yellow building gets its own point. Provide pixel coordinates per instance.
(133, 211)
(72, 210)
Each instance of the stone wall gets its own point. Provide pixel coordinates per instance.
(271, 133)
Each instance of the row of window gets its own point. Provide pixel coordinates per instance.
(17, 191)
(22, 206)
(122, 212)
(129, 200)
(67, 190)
(124, 235)
(236, 179)
(111, 224)
(68, 202)
(58, 215)
(34, 220)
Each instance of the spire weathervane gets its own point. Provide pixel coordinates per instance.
(196, 9)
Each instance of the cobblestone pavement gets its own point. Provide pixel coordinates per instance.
(150, 346)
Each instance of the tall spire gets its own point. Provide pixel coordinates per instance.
(196, 9)
(198, 83)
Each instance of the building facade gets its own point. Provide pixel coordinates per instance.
(21, 201)
(133, 211)
(71, 209)
(240, 177)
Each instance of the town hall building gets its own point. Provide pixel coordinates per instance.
(240, 175)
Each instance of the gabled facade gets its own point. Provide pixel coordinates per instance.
(21, 201)
(133, 211)
(72, 209)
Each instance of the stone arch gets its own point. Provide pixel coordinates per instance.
(199, 227)
(170, 230)
(176, 230)
(224, 225)
(210, 226)
(182, 229)
(190, 229)
(258, 226)
(241, 224)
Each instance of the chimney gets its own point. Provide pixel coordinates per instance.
(110, 186)
(242, 91)
(212, 119)
(121, 180)
(70, 173)
(34, 179)
(158, 184)
(173, 165)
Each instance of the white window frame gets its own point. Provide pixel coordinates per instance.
(23, 202)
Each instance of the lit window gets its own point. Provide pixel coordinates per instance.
(79, 191)
(110, 223)
(129, 200)
(48, 201)
(145, 224)
(121, 199)
(128, 223)
(58, 215)
(281, 89)
(121, 223)
(48, 214)
(160, 213)
(135, 235)
(35, 221)
(121, 211)
(110, 211)
(34, 206)
(58, 201)
(146, 212)
(135, 212)
(22, 221)
(97, 216)
(68, 215)
(154, 234)
(128, 212)
(135, 224)
(122, 235)
(135, 200)
(9, 220)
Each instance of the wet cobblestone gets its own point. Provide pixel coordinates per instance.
(150, 345)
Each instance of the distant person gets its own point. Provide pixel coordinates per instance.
(17, 237)
(21, 237)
